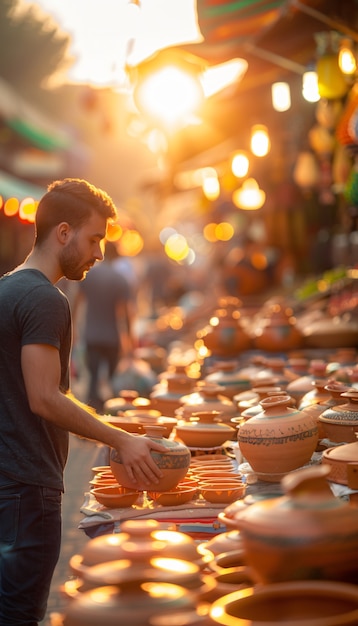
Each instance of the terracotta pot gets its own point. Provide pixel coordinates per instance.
(207, 397)
(136, 604)
(306, 534)
(225, 335)
(174, 463)
(127, 399)
(299, 603)
(277, 331)
(138, 540)
(301, 385)
(203, 431)
(279, 439)
(340, 422)
(339, 459)
(231, 379)
(167, 396)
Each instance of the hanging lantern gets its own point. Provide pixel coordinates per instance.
(310, 86)
(281, 96)
(249, 197)
(332, 82)
(260, 141)
(346, 58)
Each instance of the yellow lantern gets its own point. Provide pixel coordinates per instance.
(332, 83)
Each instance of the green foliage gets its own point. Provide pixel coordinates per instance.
(32, 48)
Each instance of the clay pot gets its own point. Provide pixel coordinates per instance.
(127, 399)
(340, 459)
(305, 534)
(224, 335)
(166, 397)
(279, 439)
(276, 330)
(203, 431)
(139, 540)
(135, 603)
(207, 397)
(301, 385)
(231, 379)
(340, 422)
(174, 463)
(299, 603)
(317, 394)
(143, 417)
(228, 581)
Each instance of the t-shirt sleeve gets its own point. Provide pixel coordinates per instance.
(45, 317)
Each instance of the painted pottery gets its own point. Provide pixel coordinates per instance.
(296, 603)
(173, 463)
(340, 422)
(279, 439)
(306, 534)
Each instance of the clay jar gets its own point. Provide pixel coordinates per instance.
(279, 439)
(174, 463)
(231, 379)
(306, 534)
(340, 422)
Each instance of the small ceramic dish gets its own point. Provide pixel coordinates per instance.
(115, 496)
(174, 497)
(223, 492)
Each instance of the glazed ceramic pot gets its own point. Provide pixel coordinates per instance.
(308, 533)
(296, 603)
(203, 431)
(340, 422)
(279, 439)
(173, 463)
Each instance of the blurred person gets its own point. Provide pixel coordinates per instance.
(37, 409)
(107, 324)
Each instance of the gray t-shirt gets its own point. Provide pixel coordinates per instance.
(32, 311)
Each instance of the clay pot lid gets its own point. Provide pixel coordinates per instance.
(346, 453)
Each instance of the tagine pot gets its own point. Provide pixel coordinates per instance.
(340, 422)
(277, 440)
(173, 463)
(207, 397)
(306, 534)
(204, 430)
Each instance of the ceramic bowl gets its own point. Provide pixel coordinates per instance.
(174, 497)
(216, 474)
(222, 492)
(115, 496)
(210, 456)
(102, 481)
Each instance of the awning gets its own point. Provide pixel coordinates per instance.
(12, 187)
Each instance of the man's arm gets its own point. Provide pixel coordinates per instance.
(41, 371)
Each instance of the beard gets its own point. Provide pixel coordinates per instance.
(71, 262)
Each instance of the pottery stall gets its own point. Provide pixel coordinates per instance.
(255, 520)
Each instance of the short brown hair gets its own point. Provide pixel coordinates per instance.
(71, 200)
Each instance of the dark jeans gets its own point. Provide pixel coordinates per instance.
(30, 537)
(96, 357)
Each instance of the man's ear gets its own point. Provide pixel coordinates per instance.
(63, 231)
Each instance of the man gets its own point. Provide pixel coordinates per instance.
(107, 323)
(36, 411)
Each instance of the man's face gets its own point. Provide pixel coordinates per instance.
(83, 248)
